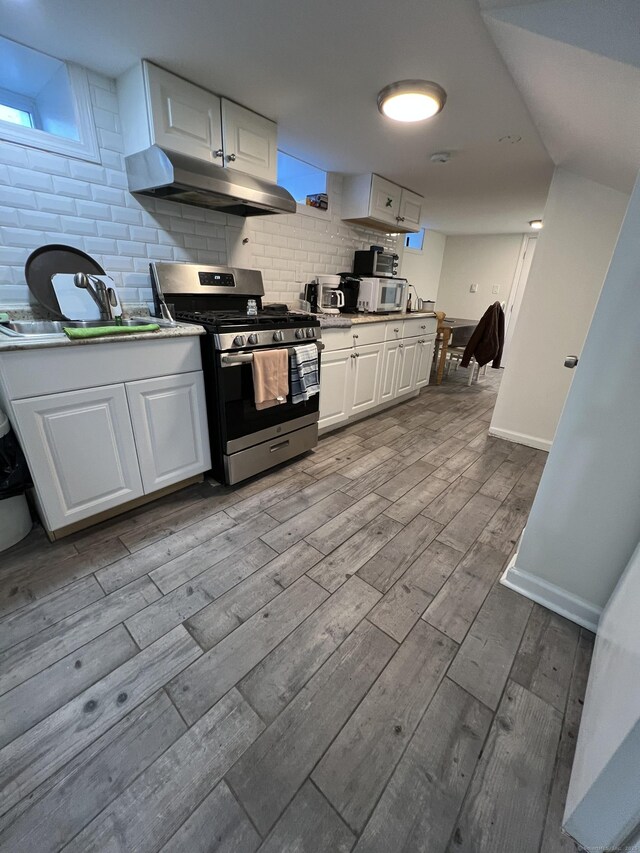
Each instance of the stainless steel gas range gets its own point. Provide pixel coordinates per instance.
(244, 440)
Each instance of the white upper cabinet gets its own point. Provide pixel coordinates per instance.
(384, 203)
(249, 141)
(377, 203)
(410, 210)
(183, 117)
(159, 108)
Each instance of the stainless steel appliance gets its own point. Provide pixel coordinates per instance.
(324, 295)
(244, 440)
(166, 174)
(382, 295)
(375, 262)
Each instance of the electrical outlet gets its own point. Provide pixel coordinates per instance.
(473, 288)
(495, 288)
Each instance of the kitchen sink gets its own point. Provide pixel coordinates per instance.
(46, 328)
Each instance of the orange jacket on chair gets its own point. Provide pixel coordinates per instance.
(487, 340)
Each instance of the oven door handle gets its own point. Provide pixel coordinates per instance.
(232, 359)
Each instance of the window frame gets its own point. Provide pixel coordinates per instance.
(84, 148)
(307, 209)
(419, 251)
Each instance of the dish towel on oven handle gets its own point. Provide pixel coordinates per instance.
(305, 376)
(270, 377)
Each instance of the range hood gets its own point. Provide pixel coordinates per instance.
(176, 177)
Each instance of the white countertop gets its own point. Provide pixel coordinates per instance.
(180, 330)
(341, 321)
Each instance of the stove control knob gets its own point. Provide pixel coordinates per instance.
(299, 333)
(238, 341)
(311, 333)
(278, 336)
(253, 339)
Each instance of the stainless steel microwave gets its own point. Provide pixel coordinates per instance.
(382, 295)
(375, 263)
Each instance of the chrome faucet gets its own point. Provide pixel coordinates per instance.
(99, 292)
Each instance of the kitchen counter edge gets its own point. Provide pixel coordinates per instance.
(181, 330)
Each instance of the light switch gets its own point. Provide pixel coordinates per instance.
(473, 288)
(495, 288)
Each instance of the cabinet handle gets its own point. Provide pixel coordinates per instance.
(396, 330)
(401, 346)
(356, 336)
(399, 218)
(231, 157)
(423, 327)
(357, 355)
(353, 355)
(217, 153)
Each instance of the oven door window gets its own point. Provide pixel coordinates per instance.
(389, 295)
(240, 416)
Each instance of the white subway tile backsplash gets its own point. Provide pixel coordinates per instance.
(17, 198)
(13, 155)
(100, 246)
(38, 220)
(77, 225)
(68, 187)
(116, 230)
(108, 195)
(92, 209)
(13, 256)
(21, 236)
(55, 204)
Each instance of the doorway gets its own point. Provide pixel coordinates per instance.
(529, 242)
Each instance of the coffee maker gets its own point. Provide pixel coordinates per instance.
(323, 294)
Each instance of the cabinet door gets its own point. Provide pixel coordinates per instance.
(367, 373)
(249, 141)
(410, 210)
(389, 378)
(407, 366)
(424, 359)
(183, 117)
(81, 452)
(385, 200)
(169, 417)
(336, 387)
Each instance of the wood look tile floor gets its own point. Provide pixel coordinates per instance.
(320, 659)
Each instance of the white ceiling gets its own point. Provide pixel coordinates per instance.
(577, 65)
(316, 68)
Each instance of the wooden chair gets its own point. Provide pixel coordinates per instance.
(443, 334)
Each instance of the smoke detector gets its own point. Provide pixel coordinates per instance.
(440, 157)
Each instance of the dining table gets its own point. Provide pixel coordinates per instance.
(452, 332)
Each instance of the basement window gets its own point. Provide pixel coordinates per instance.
(414, 241)
(45, 103)
(306, 183)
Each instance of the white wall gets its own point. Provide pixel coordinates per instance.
(482, 260)
(48, 198)
(423, 269)
(581, 224)
(585, 521)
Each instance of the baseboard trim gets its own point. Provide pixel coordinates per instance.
(564, 603)
(521, 438)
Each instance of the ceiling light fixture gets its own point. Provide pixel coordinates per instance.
(411, 100)
(536, 224)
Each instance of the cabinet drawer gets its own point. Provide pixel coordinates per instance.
(36, 372)
(336, 339)
(369, 333)
(394, 330)
(419, 326)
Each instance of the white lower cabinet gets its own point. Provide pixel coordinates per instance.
(81, 451)
(170, 428)
(92, 449)
(367, 370)
(358, 376)
(391, 355)
(407, 366)
(424, 359)
(336, 387)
